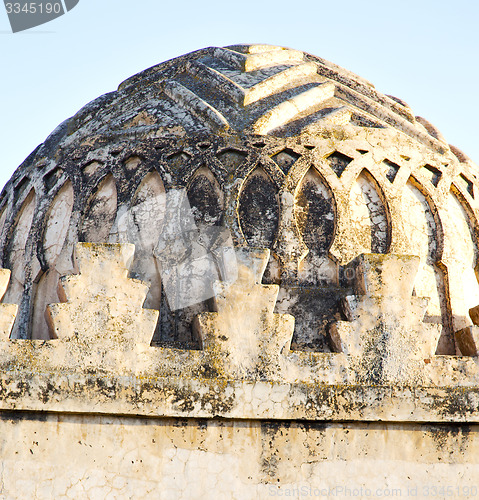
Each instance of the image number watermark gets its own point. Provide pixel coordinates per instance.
(24, 15)
(357, 491)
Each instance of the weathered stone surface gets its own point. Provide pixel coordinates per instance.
(245, 368)
(325, 127)
(385, 332)
(103, 308)
(244, 337)
(173, 459)
(102, 354)
(352, 227)
(468, 338)
(8, 312)
(311, 195)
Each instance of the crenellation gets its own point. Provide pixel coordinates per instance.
(244, 337)
(100, 303)
(385, 329)
(342, 246)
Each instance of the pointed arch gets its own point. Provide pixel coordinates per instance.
(16, 249)
(206, 197)
(146, 212)
(258, 209)
(461, 258)
(54, 236)
(101, 212)
(369, 214)
(16, 259)
(423, 235)
(315, 214)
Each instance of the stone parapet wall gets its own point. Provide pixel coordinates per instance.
(385, 367)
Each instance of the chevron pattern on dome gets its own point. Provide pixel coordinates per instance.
(272, 90)
(252, 89)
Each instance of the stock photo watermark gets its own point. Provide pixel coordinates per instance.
(25, 15)
(344, 491)
(191, 258)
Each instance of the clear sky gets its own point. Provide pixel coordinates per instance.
(425, 52)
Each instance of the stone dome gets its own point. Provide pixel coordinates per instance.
(282, 149)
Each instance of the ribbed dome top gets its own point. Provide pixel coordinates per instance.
(261, 89)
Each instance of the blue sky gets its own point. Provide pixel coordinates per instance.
(425, 52)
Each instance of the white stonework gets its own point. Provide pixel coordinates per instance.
(111, 458)
(333, 349)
